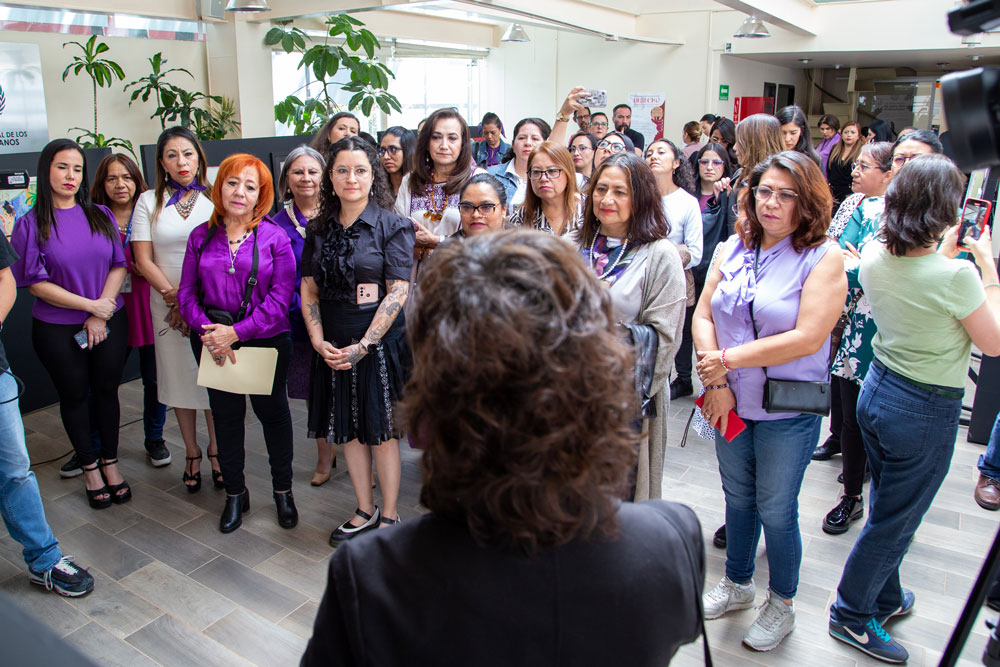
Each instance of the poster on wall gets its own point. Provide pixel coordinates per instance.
(14, 203)
(24, 125)
(647, 114)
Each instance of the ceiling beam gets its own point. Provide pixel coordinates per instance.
(796, 16)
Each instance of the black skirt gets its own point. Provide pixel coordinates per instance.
(358, 404)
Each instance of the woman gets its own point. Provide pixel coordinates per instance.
(880, 130)
(624, 242)
(237, 282)
(71, 261)
(768, 307)
(492, 148)
(513, 171)
(613, 143)
(911, 400)
(724, 133)
(355, 279)
(396, 152)
(162, 221)
(298, 189)
(483, 205)
(840, 164)
(712, 164)
(117, 184)
(829, 129)
(582, 147)
(599, 125)
(428, 195)
(509, 502)
(552, 203)
(692, 138)
(341, 124)
(795, 132)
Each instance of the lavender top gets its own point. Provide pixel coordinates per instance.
(268, 312)
(73, 258)
(283, 220)
(825, 148)
(775, 291)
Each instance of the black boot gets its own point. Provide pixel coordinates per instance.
(288, 516)
(719, 539)
(232, 515)
(839, 519)
(827, 450)
(679, 388)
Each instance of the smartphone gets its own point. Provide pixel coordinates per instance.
(81, 337)
(975, 214)
(594, 99)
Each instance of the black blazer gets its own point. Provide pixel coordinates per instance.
(423, 593)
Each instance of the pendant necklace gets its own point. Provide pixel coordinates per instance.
(593, 256)
(234, 247)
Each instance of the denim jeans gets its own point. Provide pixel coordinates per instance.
(909, 434)
(762, 471)
(20, 502)
(989, 463)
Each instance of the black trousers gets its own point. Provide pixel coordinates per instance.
(836, 411)
(682, 359)
(77, 374)
(852, 447)
(229, 412)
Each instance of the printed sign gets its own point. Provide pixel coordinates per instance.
(723, 92)
(647, 114)
(24, 125)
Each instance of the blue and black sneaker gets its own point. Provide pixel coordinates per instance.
(903, 609)
(872, 639)
(65, 578)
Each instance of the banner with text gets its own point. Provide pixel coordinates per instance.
(24, 125)
(647, 114)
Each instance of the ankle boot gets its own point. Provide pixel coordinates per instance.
(288, 516)
(232, 514)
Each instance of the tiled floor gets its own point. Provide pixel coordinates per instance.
(171, 590)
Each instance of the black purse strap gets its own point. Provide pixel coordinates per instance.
(251, 281)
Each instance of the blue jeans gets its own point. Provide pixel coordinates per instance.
(762, 471)
(20, 502)
(989, 463)
(909, 434)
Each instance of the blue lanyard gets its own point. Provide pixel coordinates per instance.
(128, 231)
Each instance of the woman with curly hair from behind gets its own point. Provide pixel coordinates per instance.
(521, 398)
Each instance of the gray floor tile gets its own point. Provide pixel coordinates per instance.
(110, 520)
(106, 649)
(178, 595)
(168, 546)
(249, 588)
(246, 547)
(46, 606)
(261, 642)
(111, 555)
(296, 571)
(300, 622)
(116, 608)
(176, 644)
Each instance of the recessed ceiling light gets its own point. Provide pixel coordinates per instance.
(805, 61)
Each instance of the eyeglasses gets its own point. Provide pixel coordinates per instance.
(900, 160)
(485, 210)
(862, 167)
(391, 150)
(580, 149)
(785, 197)
(715, 163)
(598, 123)
(343, 173)
(611, 147)
(552, 173)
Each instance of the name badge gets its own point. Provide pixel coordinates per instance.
(127, 285)
(367, 293)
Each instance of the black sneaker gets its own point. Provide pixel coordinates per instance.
(679, 388)
(65, 578)
(839, 519)
(71, 468)
(158, 453)
(719, 539)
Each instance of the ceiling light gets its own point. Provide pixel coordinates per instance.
(248, 6)
(752, 27)
(805, 61)
(515, 33)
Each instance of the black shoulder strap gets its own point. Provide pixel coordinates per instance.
(251, 281)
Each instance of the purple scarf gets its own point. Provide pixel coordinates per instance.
(181, 190)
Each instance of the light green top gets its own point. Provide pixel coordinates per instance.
(917, 303)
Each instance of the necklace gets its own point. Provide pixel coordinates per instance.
(593, 256)
(240, 239)
(185, 206)
(433, 212)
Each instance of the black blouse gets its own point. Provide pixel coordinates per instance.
(377, 248)
(839, 175)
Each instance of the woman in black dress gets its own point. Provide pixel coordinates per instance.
(356, 266)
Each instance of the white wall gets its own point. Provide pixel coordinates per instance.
(746, 79)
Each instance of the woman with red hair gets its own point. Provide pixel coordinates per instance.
(236, 285)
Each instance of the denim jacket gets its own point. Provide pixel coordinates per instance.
(479, 152)
(509, 181)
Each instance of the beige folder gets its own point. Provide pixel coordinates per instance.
(253, 372)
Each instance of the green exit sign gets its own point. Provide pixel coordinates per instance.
(723, 92)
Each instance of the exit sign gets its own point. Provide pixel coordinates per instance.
(723, 92)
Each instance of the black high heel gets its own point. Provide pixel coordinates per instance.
(232, 514)
(93, 496)
(196, 477)
(120, 493)
(217, 474)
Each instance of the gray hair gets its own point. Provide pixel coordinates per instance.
(284, 194)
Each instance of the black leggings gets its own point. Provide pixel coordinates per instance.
(852, 447)
(229, 412)
(77, 373)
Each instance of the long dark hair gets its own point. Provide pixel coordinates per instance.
(795, 114)
(422, 164)
(647, 221)
(682, 176)
(381, 192)
(718, 149)
(923, 136)
(727, 130)
(542, 126)
(921, 202)
(408, 142)
(98, 191)
(882, 130)
(201, 176)
(321, 142)
(45, 217)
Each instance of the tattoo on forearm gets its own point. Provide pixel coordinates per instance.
(355, 354)
(388, 310)
(314, 315)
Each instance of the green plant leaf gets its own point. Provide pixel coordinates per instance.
(355, 100)
(273, 36)
(366, 106)
(394, 103)
(287, 43)
(350, 19)
(383, 105)
(299, 40)
(101, 48)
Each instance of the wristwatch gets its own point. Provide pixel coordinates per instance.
(560, 118)
(367, 347)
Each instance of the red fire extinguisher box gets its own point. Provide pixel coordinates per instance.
(748, 106)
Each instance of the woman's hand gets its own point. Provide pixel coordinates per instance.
(571, 103)
(218, 336)
(424, 237)
(716, 407)
(710, 369)
(982, 249)
(949, 243)
(176, 322)
(722, 185)
(346, 357)
(170, 297)
(97, 330)
(103, 307)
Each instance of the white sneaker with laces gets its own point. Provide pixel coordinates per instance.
(727, 596)
(776, 619)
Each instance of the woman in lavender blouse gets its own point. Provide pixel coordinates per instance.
(217, 270)
(781, 264)
(71, 261)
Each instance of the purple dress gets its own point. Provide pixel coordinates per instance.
(300, 364)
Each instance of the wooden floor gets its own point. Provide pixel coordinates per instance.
(171, 590)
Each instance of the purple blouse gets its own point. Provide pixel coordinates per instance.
(825, 148)
(73, 258)
(299, 331)
(267, 315)
(775, 292)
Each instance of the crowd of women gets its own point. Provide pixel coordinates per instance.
(733, 259)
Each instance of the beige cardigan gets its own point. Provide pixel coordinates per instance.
(663, 304)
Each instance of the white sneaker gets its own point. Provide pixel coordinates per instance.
(727, 596)
(776, 620)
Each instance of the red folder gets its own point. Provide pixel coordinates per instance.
(734, 426)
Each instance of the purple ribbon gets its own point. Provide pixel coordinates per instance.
(181, 190)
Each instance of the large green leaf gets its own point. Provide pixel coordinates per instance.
(273, 36)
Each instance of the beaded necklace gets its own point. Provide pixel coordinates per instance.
(185, 206)
(433, 212)
(611, 267)
(235, 248)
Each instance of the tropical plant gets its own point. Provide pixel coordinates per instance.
(88, 139)
(217, 120)
(102, 73)
(369, 79)
(153, 85)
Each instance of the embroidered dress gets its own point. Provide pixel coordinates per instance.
(516, 219)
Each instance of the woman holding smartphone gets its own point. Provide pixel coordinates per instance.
(71, 260)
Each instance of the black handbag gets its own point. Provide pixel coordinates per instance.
(645, 341)
(801, 396)
(220, 315)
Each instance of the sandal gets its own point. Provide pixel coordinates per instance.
(120, 493)
(217, 474)
(94, 497)
(193, 477)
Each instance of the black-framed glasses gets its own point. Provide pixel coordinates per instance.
(580, 149)
(706, 161)
(611, 147)
(785, 197)
(391, 150)
(862, 167)
(485, 209)
(598, 123)
(900, 160)
(552, 173)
